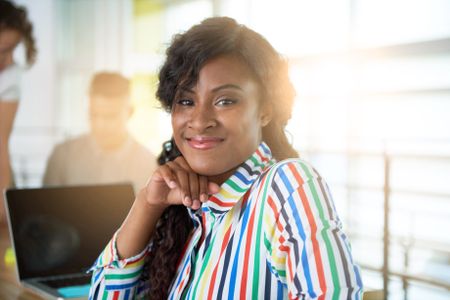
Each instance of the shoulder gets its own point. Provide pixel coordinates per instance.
(292, 173)
(141, 152)
(72, 144)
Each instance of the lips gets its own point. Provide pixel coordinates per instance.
(204, 143)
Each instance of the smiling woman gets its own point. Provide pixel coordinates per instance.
(236, 215)
(221, 117)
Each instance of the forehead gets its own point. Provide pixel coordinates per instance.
(225, 70)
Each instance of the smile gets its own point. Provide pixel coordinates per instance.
(204, 143)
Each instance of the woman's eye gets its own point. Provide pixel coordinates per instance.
(225, 102)
(185, 102)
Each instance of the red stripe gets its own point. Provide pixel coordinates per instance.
(115, 295)
(181, 285)
(185, 247)
(216, 200)
(313, 226)
(226, 239)
(284, 248)
(273, 207)
(289, 267)
(262, 157)
(249, 239)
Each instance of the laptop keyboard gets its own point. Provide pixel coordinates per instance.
(68, 281)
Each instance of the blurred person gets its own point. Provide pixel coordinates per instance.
(231, 212)
(15, 27)
(108, 153)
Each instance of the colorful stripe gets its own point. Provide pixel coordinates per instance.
(272, 232)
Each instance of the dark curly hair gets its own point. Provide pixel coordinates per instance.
(171, 233)
(186, 55)
(15, 17)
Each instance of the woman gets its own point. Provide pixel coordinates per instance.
(253, 227)
(14, 28)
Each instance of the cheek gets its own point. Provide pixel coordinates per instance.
(178, 122)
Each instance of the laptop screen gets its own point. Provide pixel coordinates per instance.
(62, 230)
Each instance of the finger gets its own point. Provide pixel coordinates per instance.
(196, 204)
(181, 161)
(183, 185)
(203, 183)
(167, 175)
(194, 186)
(213, 188)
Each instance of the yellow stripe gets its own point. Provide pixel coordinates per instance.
(208, 272)
(224, 194)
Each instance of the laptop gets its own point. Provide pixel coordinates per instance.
(57, 233)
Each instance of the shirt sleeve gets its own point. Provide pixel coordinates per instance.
(10, 83)
(308, 250)
(115, 278)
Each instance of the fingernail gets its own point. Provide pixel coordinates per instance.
(187, 201)
(172, 184)
(203, 198)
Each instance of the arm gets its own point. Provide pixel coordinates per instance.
(7, 114)
(310, 252)
(119, 267)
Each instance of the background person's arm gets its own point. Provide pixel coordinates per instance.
(7, 114)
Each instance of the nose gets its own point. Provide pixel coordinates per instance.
(202, 117)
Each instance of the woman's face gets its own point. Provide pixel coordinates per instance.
(9, 38)
(217, 124)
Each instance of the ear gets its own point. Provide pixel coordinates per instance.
(266, 114)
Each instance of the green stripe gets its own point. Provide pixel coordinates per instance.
(268, 245)
(235, 187)
(306, 170)
(205, 262)
(105, 295)
(256, 162)
(326, 224)
(258, 238)
(123, 276)
(281, 273)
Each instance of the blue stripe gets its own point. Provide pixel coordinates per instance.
(121, 286)
(266, 150)
(98, 275)
(298, 222)
(127, 295)
(243, 178)
(180, 276)
(233, 276)
(358, 280)
(280, 289)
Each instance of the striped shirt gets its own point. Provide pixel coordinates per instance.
(271, 232)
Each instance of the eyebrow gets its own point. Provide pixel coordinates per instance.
(227, 86)
(216, 89)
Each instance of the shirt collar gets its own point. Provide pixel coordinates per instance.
(232, 190)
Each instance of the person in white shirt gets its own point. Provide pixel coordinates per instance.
(14, 28)
(108, 153)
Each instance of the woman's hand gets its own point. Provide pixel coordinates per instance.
(176, 183)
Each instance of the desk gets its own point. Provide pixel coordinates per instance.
(10, 289)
